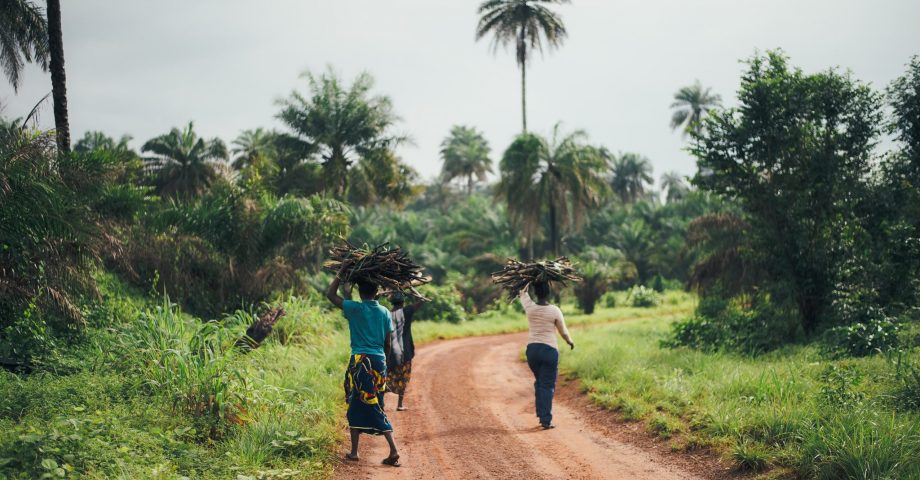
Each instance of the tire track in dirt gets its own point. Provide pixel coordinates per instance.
(471, 416)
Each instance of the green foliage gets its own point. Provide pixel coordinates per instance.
(446, 304)
(642, 296)
(184, 165)
(751, 328)
(874, 334)
(560, 177)
(691, 105)
(54, 233)
(349, 130)
(631, 177)
(790, 408)
(466, 155)
(798, 144)
(25, 38)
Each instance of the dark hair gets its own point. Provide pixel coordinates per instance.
(367, 290)
(541, 289)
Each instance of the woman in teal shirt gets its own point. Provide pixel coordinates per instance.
(369, 325)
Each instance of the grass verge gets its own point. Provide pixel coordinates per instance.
(792, 409)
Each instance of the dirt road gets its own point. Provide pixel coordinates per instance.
(472, 416)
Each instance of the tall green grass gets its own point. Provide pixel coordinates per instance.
(792, 408)
(151, 392)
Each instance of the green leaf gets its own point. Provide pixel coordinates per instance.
(49, 464)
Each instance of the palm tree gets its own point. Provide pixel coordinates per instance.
(674, 186)
(631, 176)
(252, 147)
(466, 154)
(690, 105)
(526, 23)
(184, 164)
(344, 123)
(58, 78)
(23, 38)
(563, 174)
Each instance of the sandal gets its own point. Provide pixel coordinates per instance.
(352, 458)
(401, 409)
(392, 461)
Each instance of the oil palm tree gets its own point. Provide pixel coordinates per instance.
(183, 164)
(525, 23)
(691, 103)
(674, 186)
(466, 155)
(254, 146)
(23, 38)
(343, 123)
(564, 175)
(631, 176)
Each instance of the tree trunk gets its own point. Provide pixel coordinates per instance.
(553, 229)
(58, 78)
(469, 185)
(524, 95)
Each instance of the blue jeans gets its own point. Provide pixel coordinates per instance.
(544, 363)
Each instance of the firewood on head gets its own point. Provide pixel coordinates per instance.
(515, 275)
(390, 268)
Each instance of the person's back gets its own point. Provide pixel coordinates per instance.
(543, 321)
(368, 325)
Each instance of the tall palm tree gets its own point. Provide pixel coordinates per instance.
(691, 103)
(58, 78)
(184, 164)
(527, 24)
(254, 146)
(674, 186)
(630, 177)
(466, 155)
(344, 123)
(23, 38)
(563, 174)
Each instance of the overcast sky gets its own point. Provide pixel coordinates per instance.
(140, 67)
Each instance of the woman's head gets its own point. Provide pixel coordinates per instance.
(367, 290)
(398, 300)
(542, 290)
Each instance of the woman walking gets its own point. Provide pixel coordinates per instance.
(544, 320)
(369, 326)
(399, 360)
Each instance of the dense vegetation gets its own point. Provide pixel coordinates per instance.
(127, 278)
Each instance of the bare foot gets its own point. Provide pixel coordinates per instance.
(353, 458)
(392, 461)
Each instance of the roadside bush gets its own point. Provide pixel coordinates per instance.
(747, 328)
(876, 335)
(641, 296)
(609, 299)
(445, 305)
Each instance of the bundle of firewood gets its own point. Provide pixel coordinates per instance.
(389, 267)
(516, 275)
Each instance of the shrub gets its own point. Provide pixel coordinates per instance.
(609, 299)
(873, 333)
(641, 296)
(445, 305)
(753, 327)
(595, 281)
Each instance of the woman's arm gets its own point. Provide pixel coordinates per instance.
(560, 326)
(332, 293)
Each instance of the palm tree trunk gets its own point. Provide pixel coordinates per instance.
(553, 228)
(524, 94)
(58, 78)
(469, 185)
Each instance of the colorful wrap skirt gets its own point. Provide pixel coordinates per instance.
(365, 382)
(398, 378)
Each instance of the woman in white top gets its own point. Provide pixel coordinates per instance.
(544, 320)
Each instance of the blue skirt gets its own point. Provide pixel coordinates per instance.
(365, 382)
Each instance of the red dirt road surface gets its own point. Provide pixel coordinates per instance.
(471, 415)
